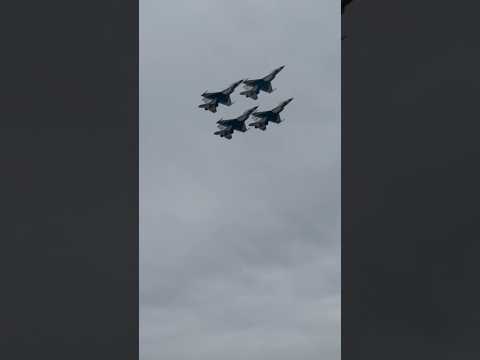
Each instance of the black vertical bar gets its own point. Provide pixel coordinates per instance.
(69, 141)
(410, 84)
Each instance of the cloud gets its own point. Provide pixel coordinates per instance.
(240, 239)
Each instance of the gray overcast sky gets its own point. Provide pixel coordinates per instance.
(239, 239)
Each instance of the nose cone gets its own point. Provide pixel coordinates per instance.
(281, 68)
(288, 101)
(254, 108)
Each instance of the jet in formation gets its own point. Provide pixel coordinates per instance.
(227, 127)
(273, 115)
(253, 87)
(212, 99)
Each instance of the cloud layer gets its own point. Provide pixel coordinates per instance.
(239, 239)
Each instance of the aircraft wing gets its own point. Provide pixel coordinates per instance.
(231, 88)
(211, 95)
(260, 114)
(226, 123)
(207, 100)
(278, 109)
(251, 83)
(269, 77)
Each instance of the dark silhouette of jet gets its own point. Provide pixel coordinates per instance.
(227, 127)
(344, 4)
(253, 87)
(212, 99)
(273, 115)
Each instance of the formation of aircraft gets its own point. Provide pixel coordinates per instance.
(226, 128)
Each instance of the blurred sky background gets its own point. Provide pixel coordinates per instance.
(239, 239)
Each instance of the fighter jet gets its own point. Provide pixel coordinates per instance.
(253, 87)
(212, 99)
(273, 115)
(344, 4)
(227, 127)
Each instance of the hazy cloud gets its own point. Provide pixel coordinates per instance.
(240, 239)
